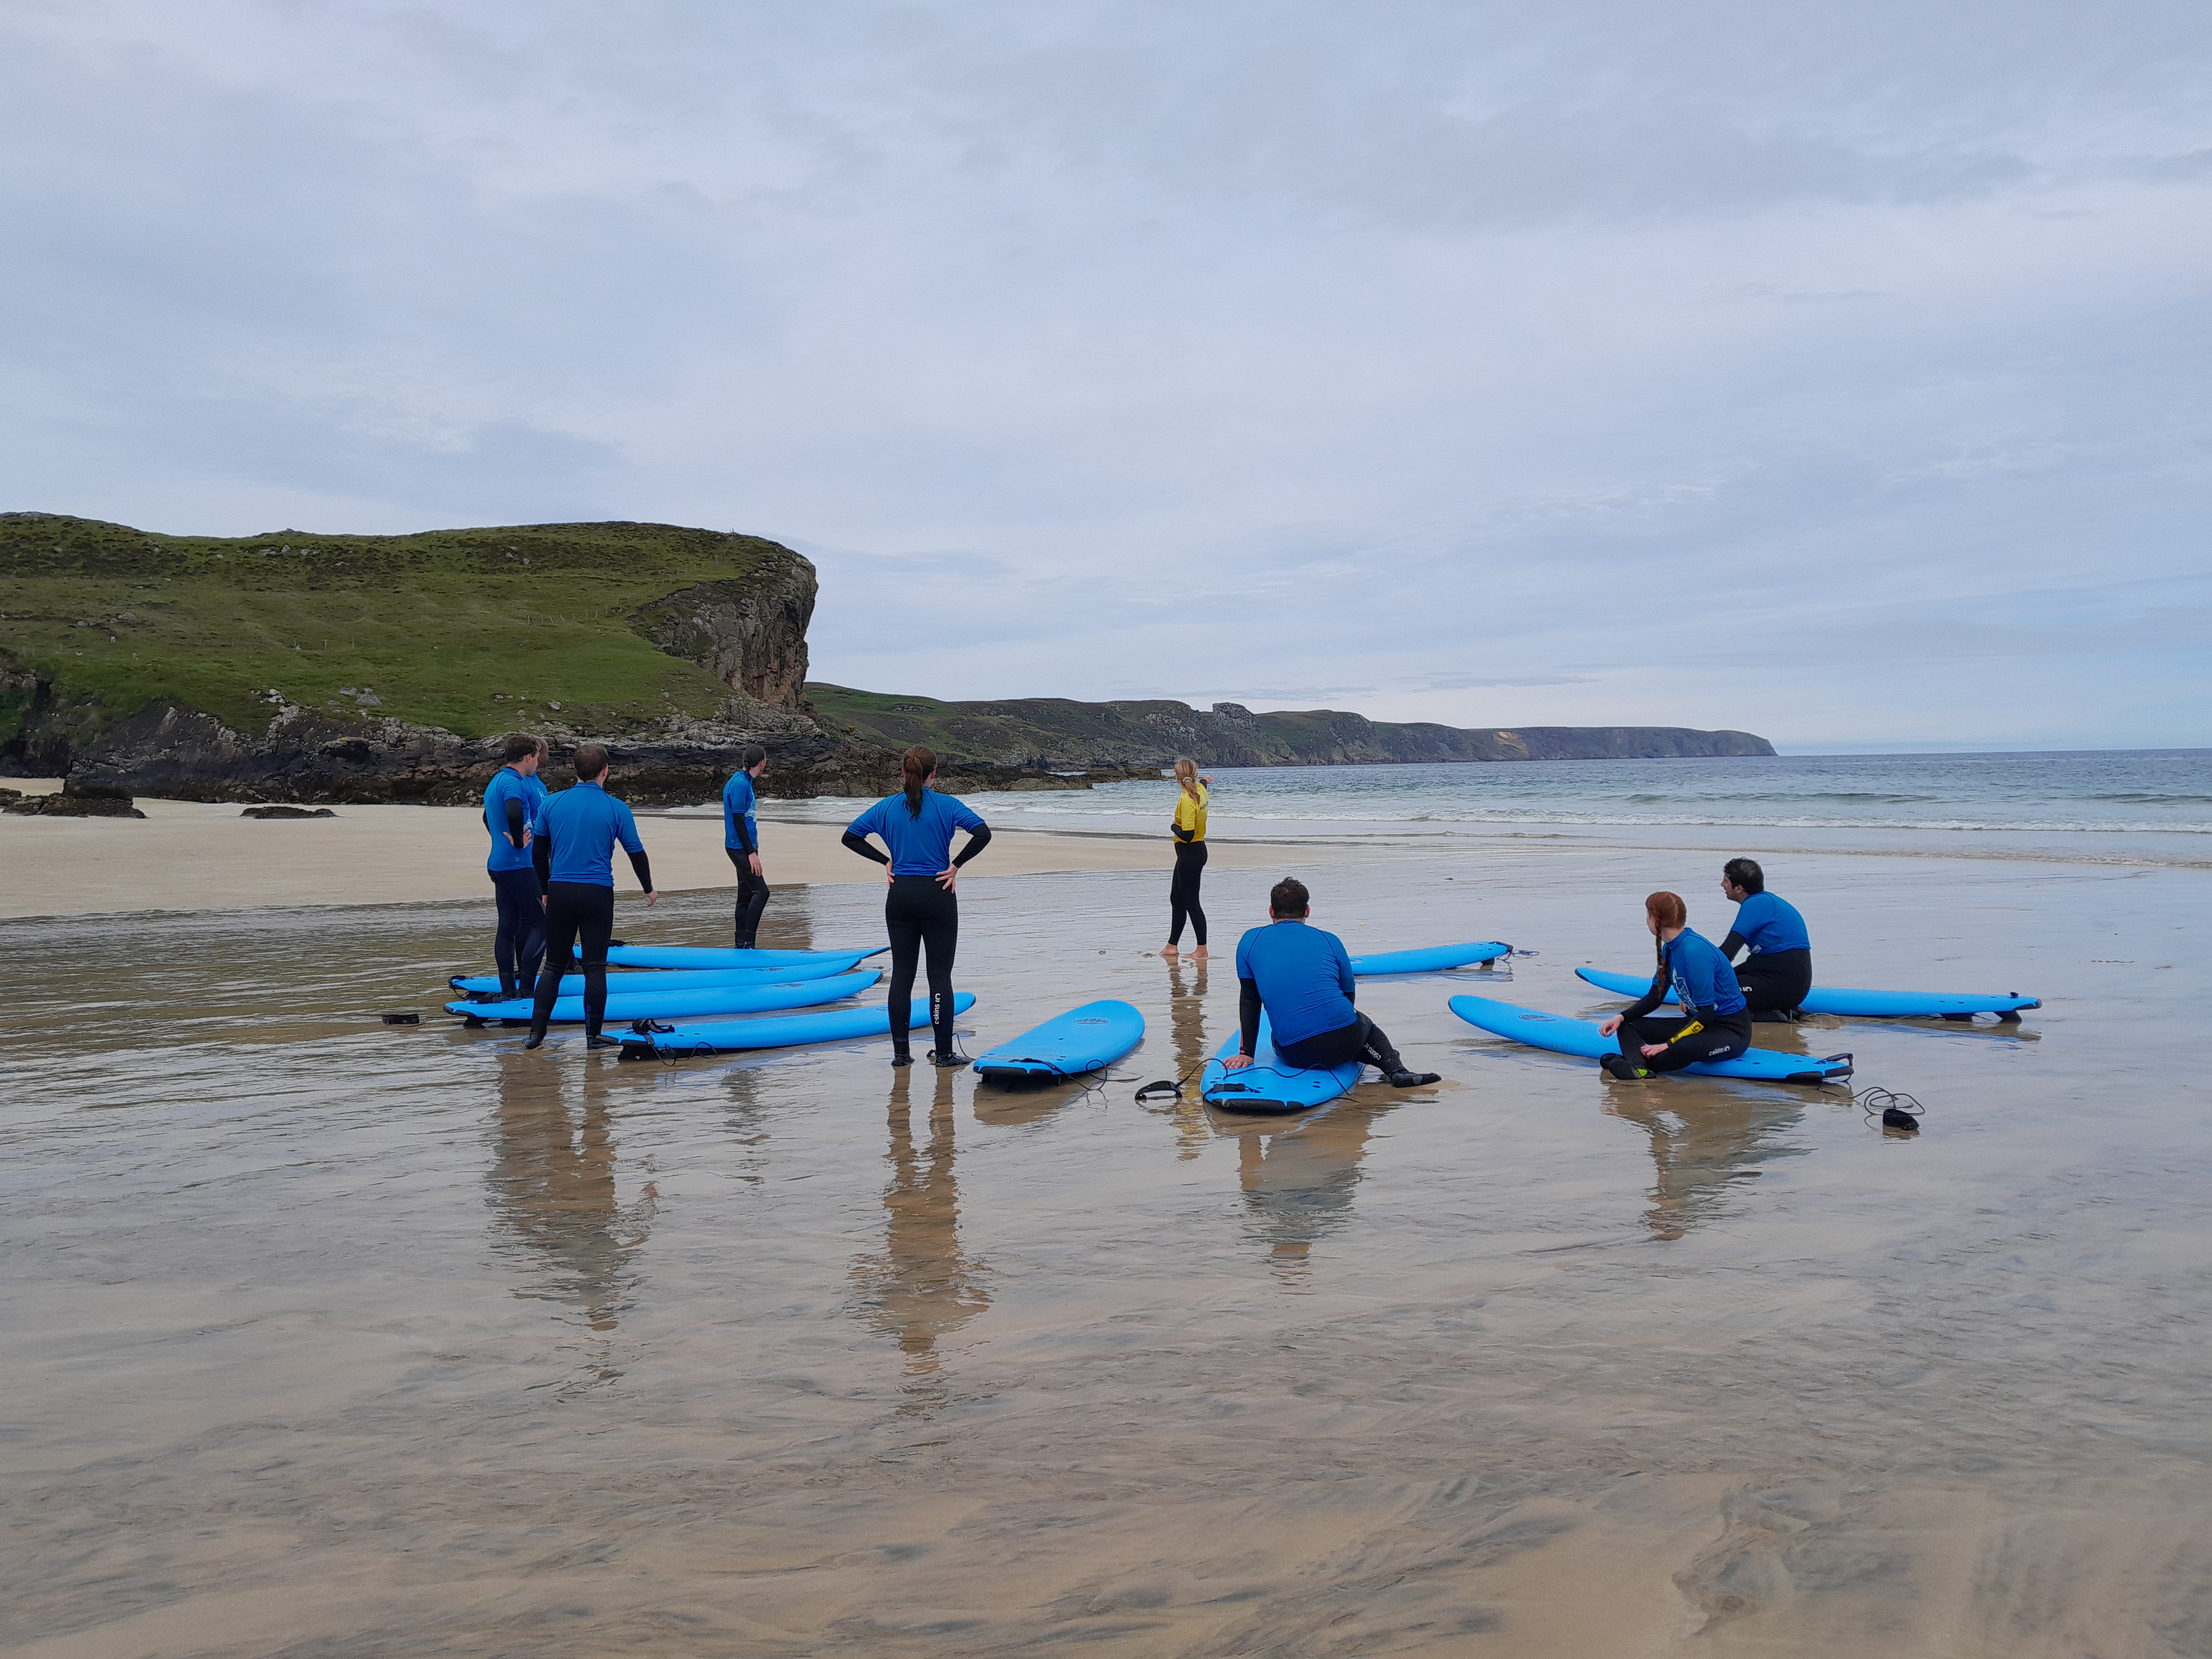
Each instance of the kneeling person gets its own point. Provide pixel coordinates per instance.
(1778, 972)
(1716, 1022)
(1303, 979)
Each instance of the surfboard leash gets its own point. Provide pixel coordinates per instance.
(1897, 1109)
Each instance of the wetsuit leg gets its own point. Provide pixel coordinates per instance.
(752, 899)
(519, 946)
(1183, 891)
(1721, 1038)
(903, 924)
(1363, 1039)
(575, 908)
(1776, 981)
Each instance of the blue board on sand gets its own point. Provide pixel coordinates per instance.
(671, 979)
(736, 1035)
(1081, 1040)
(691, 955)
(1431, 960)
(1563, 1034)
(1271, 1085)
(683, 1004)
(1861, 1005)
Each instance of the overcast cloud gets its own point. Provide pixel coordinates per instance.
(1833, 372)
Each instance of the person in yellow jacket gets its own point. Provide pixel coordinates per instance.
(1189, 859)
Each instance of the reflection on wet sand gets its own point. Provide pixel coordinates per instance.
(920, 1286)
(1704, 1136)
(1298, 1178)
(1187, 1026)
(552, 1181)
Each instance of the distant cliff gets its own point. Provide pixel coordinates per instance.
(1056, 734)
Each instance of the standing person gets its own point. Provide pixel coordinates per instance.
(1778, 972)
(1716, 1021)
(921, 909)
(1301, 978)
(511, 801)
(574, 846)
(1189, 828)
(741, 837)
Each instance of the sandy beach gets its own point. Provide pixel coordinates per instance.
(195, 855)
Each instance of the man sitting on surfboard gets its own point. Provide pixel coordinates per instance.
(1778, 972)
(1303, 979)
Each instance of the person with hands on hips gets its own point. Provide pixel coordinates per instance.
(1715, 1023)
(921, 910)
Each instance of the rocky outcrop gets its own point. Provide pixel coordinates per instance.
(750, 634)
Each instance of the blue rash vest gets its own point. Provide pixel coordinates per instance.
(740, 828)
(1701, 975)
(1303, 976)
(507, 784)
(582, 824)
(919, 845)
(1767, 923)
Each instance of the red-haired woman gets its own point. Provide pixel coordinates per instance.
(1715, 1023)
(921, 908)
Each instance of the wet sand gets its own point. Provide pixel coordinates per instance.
(335, 1338)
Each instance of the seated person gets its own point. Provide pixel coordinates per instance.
(1778, 972)
(1716, 1023)
(1301, 977)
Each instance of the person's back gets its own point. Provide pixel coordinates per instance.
(1303, 976)
(1300, 977)
(1769, 924)
(574, 842)
(581, 826)
(1702, 979)
(1778, 971)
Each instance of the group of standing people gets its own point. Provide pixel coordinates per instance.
(552, 873)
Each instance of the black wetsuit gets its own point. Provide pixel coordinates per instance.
(921, 916)
(574, 910)
(1183, 890)
(752, 896)
(1774, 982)
(1719, 1036)
(519, 946)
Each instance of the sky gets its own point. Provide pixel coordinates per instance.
(1837, 372)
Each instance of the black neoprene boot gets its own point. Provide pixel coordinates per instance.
(537, 1034)
(1402, 1078)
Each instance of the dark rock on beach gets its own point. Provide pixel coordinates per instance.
(287, 812)
(71, 806)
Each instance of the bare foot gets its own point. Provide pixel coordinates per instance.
(1199, 955)
(1168, 952)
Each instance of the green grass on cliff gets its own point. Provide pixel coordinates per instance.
(478, 631)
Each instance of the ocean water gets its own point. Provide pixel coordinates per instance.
(2130, 805)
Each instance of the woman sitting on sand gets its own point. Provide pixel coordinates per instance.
(1716, 1020)
(1188, 826)
(921, 908)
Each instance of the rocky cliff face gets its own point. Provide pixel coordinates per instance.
(751, 635)
(1052, 732)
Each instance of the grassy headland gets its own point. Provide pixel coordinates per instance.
(477, 631)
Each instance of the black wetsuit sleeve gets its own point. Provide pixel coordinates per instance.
(514, 820)
(744, 835)
(1183, 834)
(541, 854)
(1247, 1015)
(638, 862)
(859, 845)
(1731, 944)
(1651, 1000)
(978, 839)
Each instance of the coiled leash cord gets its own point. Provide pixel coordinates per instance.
(1896, 1110)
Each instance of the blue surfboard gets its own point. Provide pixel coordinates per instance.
(736, 1036)
(1081, 1040)
(1858, 1005)
(1271, 1085)
(698, 956)
(1433, 959)
(1563, 1034)
(681, 1005)
(486, 986)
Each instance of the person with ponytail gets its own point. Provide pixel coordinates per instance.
(921, 912)
(1716, 1019)
(1188, 827)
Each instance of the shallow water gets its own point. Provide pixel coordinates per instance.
(334, 1338)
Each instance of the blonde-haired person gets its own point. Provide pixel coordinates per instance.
(1189, 829)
